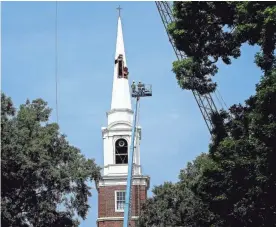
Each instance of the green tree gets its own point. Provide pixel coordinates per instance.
(243, 139)
(234, 184)
(241, 189)
(44, 179)
(176, 204)
(209, 31)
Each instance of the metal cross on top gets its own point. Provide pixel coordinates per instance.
(119, 9)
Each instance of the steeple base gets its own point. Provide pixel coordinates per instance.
(115, 222)
(111, 201)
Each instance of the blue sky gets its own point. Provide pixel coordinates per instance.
(173, 130)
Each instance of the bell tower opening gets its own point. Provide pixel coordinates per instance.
(121, 151)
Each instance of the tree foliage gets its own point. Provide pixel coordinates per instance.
(235, 183)
(209, 31)
(246, 178)
(176, 204)
(44, 179)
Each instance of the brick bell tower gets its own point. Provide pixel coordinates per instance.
(116, 143)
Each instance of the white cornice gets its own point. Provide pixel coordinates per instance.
(110, 128)
(113, 124)
(119, 110)
(122, 180)
(115, 218)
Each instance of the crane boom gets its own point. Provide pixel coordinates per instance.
(138, 92)
(205, 102)
(127, 208)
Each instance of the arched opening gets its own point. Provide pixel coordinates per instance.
(121, 151)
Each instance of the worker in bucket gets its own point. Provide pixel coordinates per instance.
(133, 87)
(140, 85)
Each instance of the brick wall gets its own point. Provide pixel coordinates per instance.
(106, 203)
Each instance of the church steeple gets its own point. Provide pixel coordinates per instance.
(120, 92)
(116, 143)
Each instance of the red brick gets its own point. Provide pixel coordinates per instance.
(106, 203)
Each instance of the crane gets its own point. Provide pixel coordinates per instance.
(141, 90)
(205, 102)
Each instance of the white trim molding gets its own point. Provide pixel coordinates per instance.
(115, 218)
(122, 180)
(119, 110)
(133, 218)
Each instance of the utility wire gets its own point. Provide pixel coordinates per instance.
(56, 59)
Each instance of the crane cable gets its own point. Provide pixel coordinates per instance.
(56, 61)
(221, 101)
(226, 106)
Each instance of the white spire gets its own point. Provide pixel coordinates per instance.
(120, 92)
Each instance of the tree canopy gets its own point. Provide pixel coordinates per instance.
(176, 204)
(44, 178)
(235, 182)
(245, 179)
(210, 31)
